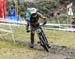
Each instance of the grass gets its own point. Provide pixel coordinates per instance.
(9, 50)
(60, 38)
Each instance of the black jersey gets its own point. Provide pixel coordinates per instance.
(34, 20)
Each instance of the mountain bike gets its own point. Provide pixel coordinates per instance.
(43, 40)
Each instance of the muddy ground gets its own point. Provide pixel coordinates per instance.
(24, 52)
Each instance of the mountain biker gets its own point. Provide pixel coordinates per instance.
(32, 17)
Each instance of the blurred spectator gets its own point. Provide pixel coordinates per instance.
(12, 11)
(73, 22)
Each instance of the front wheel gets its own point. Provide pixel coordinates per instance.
(43, 43)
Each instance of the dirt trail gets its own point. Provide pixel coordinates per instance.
(65, 51)
(14, 53)
(55, 52)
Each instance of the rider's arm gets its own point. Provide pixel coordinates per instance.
(43, 17)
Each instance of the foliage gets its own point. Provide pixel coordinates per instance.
(46, 7)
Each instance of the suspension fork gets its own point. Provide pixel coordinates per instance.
(43, 35)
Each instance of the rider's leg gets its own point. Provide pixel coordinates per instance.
(32, 38)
